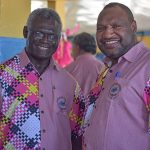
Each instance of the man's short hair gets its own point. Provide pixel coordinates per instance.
(86, 42)
(123, 7)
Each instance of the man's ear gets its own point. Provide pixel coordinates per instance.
(134, 26)
(25, 31)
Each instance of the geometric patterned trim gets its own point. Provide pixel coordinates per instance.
(20, 117)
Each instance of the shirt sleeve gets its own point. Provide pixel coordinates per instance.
(147, 100)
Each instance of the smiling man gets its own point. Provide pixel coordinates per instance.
(34, 105)
(120, 117)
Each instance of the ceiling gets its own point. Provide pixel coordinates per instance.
(84, 13)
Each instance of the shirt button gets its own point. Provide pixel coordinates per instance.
(41, 95)
(43, 130)
(103, 88)
(43, 149)
(41, 79)
(53, 87)
(110, 71)
(42, 111)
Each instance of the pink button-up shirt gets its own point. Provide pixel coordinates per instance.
(120, 119)
(56, 93)
(85, 69)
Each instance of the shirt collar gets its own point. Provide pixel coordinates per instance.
(24, 60)
(132, 54)
(54, 65)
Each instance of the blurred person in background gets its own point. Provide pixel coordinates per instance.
(85, 67)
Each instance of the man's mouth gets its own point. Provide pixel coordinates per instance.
(111, 44)
(43, 46)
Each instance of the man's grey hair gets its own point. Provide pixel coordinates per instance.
(46, 13)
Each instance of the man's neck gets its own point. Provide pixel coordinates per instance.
(40, 65)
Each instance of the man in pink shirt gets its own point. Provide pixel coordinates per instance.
(85, 67)
(120, 117)
(34, 105)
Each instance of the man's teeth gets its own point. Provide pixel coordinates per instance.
(111, 42)
(42, 46)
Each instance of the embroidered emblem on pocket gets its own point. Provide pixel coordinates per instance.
(114, 90)
(61, 101)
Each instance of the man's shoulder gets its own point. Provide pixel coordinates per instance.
(64, 74)
(93, 60)
(93, 63)
(143, 61)
(64, 80)
(10, 61)
(71, 66)
(90, 64)
(9, 64)
(145, 54)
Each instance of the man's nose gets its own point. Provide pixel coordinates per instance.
(46, 38)
(109, 31)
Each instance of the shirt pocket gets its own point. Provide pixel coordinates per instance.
(120, 87)
(60, 103)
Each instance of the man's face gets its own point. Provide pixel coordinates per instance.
(75, 51)
(115, 33)
(42, 38)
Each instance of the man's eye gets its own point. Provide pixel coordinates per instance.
(116, 26)
(101, 29)
(51, 36)
(39, 34)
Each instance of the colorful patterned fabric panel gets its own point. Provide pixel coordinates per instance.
(19, 117)
(77, 112)
(147, 100)
(83, 106)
